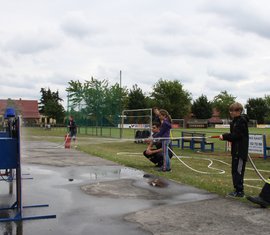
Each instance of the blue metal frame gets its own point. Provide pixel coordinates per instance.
(10, 158)
(265, 148)
(192, 141)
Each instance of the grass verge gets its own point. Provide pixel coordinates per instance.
(129, 154)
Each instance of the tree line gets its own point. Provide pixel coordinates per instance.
(99, 99)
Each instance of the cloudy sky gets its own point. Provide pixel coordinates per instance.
(208, 45)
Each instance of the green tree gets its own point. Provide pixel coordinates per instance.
(136, 98)
(267, 100)
(97, 99)
(150, 102)
(202, 108)
(222, 102)
(116, 101)
(89, 97)
(171, 96)
(257, 109)
(50, 105)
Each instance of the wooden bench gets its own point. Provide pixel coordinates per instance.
(194, 140)
(176, 143)
(187, 138)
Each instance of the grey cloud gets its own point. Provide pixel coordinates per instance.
(184, 79)
(250, 90)
(13, 80)
(160, 49)
(236, 50)
(76, 25)
(173, 24)
(193, 49)
(198, 50)
(175, 35)
(4, 63)
(226, 75)
(55, 78)
(60, 79)
(30, 44)
(242, 90)
(262, 90)
(242, 17)
(34, 81)
(25, 86)
(217, 85)
(18, 93)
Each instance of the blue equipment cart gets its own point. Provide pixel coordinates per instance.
(10, 161)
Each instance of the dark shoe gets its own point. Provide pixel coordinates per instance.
(260, 201)
(159, 164)
(165, 170)
(148, 176)
(236, 194)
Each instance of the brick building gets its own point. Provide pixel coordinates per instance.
(28, 109)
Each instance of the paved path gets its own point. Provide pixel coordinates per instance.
(91, 195)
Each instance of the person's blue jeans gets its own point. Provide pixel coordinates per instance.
(166, 158)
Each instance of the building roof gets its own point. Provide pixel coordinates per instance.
(215, 120)
(26, 108)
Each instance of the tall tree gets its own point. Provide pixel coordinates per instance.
(257, 109)
(89, 97)
(267, 101)
(136, 98)
(116, 102)
(171, 96)
(222, 102)
(50, 105)
(150, 102)
(97, 98)
(202, 108)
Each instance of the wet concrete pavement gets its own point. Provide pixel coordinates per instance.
(90, 195)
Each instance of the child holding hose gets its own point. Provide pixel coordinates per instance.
(164, 132)
(239, 138)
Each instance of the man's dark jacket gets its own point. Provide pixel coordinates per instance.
(239, 137)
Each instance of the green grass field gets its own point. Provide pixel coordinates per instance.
(128, 153)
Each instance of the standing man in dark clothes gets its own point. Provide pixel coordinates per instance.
(239, 138)
(72, 129)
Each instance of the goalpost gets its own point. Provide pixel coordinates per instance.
(137, 119)
(141, 120)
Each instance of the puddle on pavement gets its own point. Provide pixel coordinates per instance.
(122, 188)
(89, 197)
(113, 182)
(92, 174)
